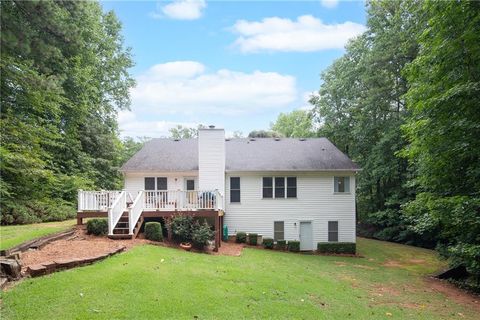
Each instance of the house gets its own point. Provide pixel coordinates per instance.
(284, 188)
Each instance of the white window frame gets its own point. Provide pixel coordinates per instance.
(285, 187)
(328, 231)
(278, 231)
(342, 192)
(239, 189)
(156, 183)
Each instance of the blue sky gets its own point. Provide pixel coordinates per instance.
(236, 65)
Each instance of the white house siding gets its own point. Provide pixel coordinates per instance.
(211, 159)
(315, 202)
(134, 182)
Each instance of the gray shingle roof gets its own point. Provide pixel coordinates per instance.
(262, 154)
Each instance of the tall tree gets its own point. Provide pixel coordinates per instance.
(64, 76)
(360, 107)
(295, 124)
(443, 129)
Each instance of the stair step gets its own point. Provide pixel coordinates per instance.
(120, 236)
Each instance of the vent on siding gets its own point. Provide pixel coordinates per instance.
(228, 139)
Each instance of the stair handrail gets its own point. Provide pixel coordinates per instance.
(116, 210)
(135, 211)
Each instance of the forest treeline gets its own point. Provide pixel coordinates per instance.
(403, 102)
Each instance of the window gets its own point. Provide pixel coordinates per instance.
(190, 184)
(234, 189)
(279, 187)
(332, 231)
(341, 184)
(149, 183)
(278, 231)
(161, 183)
(152, 183)
(291, 187)
(268, 187)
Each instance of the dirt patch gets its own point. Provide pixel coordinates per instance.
(384, 291)
(417, 261)
(340, 264)
(230, 249)
(363, 267)
(392, 264)
(453, 293)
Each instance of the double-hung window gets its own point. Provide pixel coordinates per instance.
(341, 184)
(234, 189)
(279, 187)
(267, 187)
(332, 231)
(278, 230)
(158, 183)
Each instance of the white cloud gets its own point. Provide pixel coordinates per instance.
(329, 3)
(306, 34)
(186, 88)
(130, 126)
(180, 10)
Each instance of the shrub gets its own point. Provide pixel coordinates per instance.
(181, 227)
(294, 246)
(241, 237)
(201, 235)
(153, 231)
(336, 247)
(281, 245)
(252, 239)
(97, 227)
(268, 243)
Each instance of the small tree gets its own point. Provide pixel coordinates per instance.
(201, 234)
(181, 227)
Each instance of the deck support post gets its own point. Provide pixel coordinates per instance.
(217, 233)
(79, 221)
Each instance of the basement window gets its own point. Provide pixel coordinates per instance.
(332, 231)
(278, 230)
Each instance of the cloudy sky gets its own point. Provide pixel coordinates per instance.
(236, 65)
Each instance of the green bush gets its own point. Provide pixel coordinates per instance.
(336, 247)
(241, 237)
(181, 226)
(97, 227)
(201, 234)
(153, 231)
(268, 243)
(252, 239)
(281, 245)
(294, 246)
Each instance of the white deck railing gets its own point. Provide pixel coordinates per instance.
(96, 200)
(135, 211)
(115, 203)
(116, 210)
(170, 200)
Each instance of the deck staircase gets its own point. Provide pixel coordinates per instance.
(121, 229)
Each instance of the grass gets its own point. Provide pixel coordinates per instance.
(152, 282)
(11, 236)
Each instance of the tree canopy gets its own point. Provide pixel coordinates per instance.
(64, 77)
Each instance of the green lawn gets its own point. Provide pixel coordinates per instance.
(152, 282)
(11, 236)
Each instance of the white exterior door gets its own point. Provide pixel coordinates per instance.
(306, 237)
